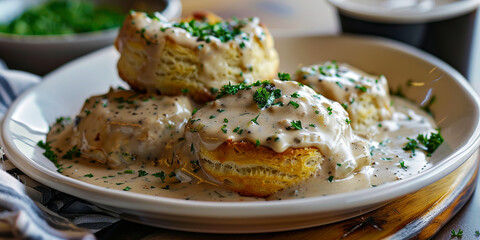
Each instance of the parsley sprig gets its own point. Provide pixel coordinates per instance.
(265, 95)
(429, 145)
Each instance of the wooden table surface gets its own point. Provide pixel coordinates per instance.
(429, 212)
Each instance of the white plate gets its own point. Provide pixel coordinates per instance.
(63, 92)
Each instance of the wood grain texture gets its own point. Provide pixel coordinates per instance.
(419, 215)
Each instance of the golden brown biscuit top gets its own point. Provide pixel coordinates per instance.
(279, 115)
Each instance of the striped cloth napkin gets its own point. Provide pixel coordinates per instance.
(29, 210)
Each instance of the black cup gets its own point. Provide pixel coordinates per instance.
(450, 39)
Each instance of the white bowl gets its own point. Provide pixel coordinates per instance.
(43, 53)
(63, 92)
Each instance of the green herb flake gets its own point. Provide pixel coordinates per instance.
(265, 95)
(330, 179)
(402, 165)
(296, 125)
(225, 120)
(160, 175)
(295, 95)
(49, 153)
(212, 116)
(312, 125)
(284, 76)
(142, 173)
(88, 175)
(361, 88)
(254, 120)
(458, 233)
(223, 128)
(348, 121)
(257, 143)
(127, 188)
(129, 171)
(294, 104)
(71, 153)
(329, 109)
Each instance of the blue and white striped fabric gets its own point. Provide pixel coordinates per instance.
(29, 210)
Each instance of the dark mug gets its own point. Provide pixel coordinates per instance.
(447, 34)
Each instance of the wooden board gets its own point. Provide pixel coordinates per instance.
(418, 215)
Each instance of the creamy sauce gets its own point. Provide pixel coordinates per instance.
(190, 183)
(213, 54)
(135, 142)
(300, 118)
(117, 128)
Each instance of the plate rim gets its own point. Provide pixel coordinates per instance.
(123, 200)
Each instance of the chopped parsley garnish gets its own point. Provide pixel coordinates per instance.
(129, 171)
(49, 153)
(87, 112)
(257, 143)
(223, 128)
(295, 95)
(236, 129)
(297, 125)
(88, 175)
(224, 31)
(284, 76)
(330, 179)
(212, 116)
(160, 175)
(329, 109)
(312, 125)
(294, 104)
(339, 84)
(254, 120)
(184, 90)
(386, 158)
(194, 111)
(459, 233)
(402, 165)
(231, 89)
(142, 173)
(345, 106)
(265, 95)
(477, 233)
(361, 88)
(62, 121)
(317, 112)
(348, 121)
(242, 45)
(71, 153)
(220, 110)
(127, 188)
(429, 145)
(225, 120)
